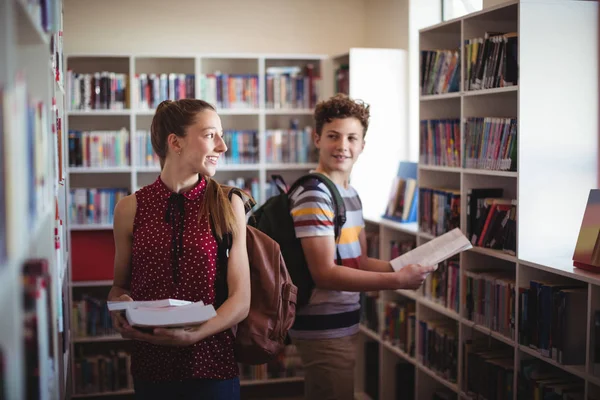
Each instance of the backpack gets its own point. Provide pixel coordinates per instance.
(274, 219)
(262, 335)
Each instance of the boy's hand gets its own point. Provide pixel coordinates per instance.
(412, 276)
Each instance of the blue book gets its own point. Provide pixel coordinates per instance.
(403, 198)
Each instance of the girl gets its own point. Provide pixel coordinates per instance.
(165, 248)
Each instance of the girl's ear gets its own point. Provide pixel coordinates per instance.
(174, 143)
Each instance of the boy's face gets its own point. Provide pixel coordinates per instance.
(340, 143)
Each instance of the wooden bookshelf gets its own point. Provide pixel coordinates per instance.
(543, 253)
(32, 200)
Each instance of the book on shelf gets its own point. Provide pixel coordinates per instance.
(440, 71)
(491, 61)
(96, 91)
(552, 315)
(230, 91)
(439, 210)
(491, 143)
(149, 90)
(439, 142)
(403, 197)
(587, 249)
(491, 219)
(434, 251)
(171, 316)
(291, 87)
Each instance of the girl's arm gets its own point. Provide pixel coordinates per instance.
(123, 236)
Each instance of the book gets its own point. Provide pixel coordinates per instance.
(170, 317)
(587, 249)
(434, 251)
(124, 305)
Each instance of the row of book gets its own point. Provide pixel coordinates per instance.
(103, 373)
(443, 285)
(99, 148)
(438, 347)
(488, 370)
(291, 87)
(491, 219)
(96, 91)
(539, 380)
(93, 206)
(552, 318)
(440, 71)
(439, 210)
(439, 142)
(290, 146)
(90, 317)
(491, 61)
(490, 300)
(230, 91)
(242, 147)
(399, 325)
(149, 90)
(286, 364)
(491, 143)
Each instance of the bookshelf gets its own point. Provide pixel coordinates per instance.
(34, 270)
(258, 104)
(546, 160)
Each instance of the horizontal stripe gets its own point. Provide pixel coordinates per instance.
(312, 222)
(351, 262)
(312, 199)
(350, 234)
(297, 212)
(324, 322)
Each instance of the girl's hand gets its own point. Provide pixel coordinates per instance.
(119, 321)
(177, 337)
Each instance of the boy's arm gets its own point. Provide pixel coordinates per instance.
(371, 264)
(319, 252)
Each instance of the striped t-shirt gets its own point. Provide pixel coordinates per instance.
(329, 313)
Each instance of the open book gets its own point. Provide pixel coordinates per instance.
(123, 305)
(177, 316)
(434, 251)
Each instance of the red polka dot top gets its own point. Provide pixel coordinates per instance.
(174, 256)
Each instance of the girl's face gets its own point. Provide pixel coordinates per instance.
(340, 143)
(202, 145)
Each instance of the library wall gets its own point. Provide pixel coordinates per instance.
(249, 26)
(387, 23)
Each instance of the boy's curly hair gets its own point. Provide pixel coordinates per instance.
(341, 106)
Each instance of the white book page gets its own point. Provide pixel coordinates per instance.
(434, 251)
(123, 305)
(191, 314)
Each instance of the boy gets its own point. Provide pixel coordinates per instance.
(325, 330)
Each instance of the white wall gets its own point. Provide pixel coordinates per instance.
(194, 26)
(386, 23)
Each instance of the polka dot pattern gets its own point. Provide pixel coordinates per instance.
(152, 279)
